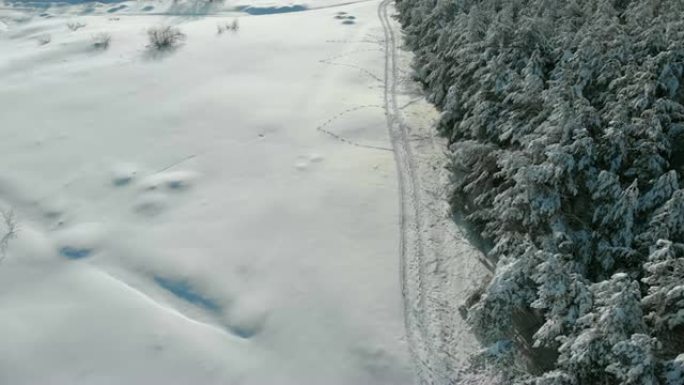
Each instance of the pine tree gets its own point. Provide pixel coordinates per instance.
(673, 372)
(665, 281)
(563, 294)
(634, 361)
(615, 317)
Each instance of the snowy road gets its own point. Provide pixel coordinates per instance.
(438, 264)
(411, 245)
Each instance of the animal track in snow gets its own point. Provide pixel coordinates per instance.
(324, 128)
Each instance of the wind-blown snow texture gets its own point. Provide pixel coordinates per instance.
(220, 211)
(566, 126)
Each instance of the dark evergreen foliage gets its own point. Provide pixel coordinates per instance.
(566, 128)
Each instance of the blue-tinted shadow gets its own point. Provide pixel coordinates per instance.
(117, 8)
(270, 10)
(244, 331)
(74, 252)
(184, 291)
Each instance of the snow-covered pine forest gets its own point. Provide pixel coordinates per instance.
(566, 128)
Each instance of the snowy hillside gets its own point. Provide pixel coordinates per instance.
(222, 211)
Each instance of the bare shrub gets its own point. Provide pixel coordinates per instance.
(44, 39)
(75, 26)
(101, 40)
(233, 26)
(8, 231)
(164, 37)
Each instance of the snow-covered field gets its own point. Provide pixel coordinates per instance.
(222, 213)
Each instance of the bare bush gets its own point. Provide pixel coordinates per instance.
(165, 37)
(101, 40)
(44, 39)
(233, 26)
(9, 231)
(75, 26)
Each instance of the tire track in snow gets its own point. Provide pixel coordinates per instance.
(419, 318)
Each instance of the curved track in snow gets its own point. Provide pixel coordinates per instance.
(413, 245)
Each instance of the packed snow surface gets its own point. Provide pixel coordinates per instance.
(223, 212)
